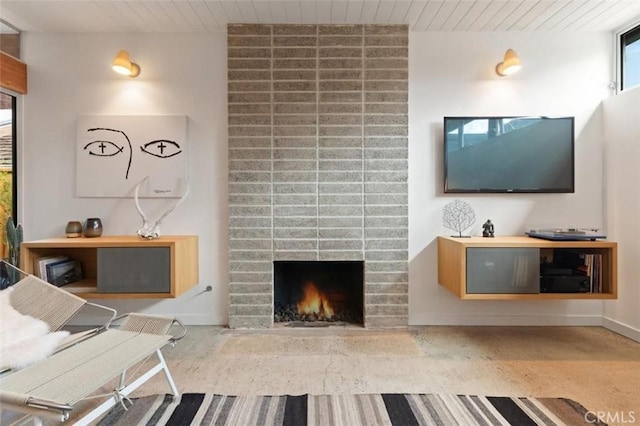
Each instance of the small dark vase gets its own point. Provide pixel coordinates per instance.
(92, 227)
(73, 229)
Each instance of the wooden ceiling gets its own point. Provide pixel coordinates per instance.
(82, 16)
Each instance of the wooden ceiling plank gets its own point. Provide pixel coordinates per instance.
(442, 15)
(309, 12)
(399, 12)
(482, 19)
(247, 11)
(323, 11)
(278, 11)
(612, 18)
(163, 18)
(551, 7)
(218, 12)
(180, 23)
(147, 21)
(196, 15)
(122, 20)
(354, 11)
(263, 12)
(593, 8)
(369, 10)
(383, 13)
(233, 11)
(522, 9)
(130, 14)
(430, 10)
(414, 12)
(456, 15)
(473, 13)
(561, 14)
(339, 11)
(88, 16)
(522, 24)
(500, 15)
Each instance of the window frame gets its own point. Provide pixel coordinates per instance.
(14, 153)
(620, 53)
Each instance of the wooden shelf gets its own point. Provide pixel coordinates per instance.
(183, 259)
(453, 265)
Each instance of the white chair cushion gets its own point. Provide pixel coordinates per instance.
(24, 340)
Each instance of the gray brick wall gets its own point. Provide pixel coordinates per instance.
(318, 166)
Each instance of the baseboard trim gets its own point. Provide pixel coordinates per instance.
(621, 328)
(507, 320)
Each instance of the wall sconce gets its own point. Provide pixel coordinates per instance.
(510, 64)
(122, 65)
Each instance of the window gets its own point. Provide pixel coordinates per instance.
(7, 165)
(630, 58)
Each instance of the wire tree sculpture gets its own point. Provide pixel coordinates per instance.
(458, 216)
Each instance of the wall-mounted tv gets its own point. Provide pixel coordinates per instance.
(509, 154)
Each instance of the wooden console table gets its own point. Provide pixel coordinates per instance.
(123, 267)
(508, 268)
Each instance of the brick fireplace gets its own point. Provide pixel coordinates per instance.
(317, 161)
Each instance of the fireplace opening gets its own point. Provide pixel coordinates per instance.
(310, 293)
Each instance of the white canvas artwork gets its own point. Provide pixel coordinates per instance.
(115, 153)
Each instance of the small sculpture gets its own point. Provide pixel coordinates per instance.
(148, 231)
(458, 216)
(487, 229)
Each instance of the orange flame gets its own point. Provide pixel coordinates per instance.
(314, 302)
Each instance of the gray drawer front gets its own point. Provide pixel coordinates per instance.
(503, 270)
(134, 270)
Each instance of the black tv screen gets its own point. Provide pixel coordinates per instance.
(508, 154)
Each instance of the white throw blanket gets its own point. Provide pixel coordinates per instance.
(24, 340)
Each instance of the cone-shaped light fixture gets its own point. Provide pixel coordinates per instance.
(510, 64)
(122, 65)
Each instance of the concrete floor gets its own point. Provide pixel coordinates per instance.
(591, 365)
(594, 366)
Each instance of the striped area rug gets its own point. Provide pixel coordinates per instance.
(348, 410)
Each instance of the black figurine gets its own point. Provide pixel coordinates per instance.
(487, 229)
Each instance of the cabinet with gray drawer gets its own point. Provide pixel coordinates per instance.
(123, 266)
(509, 268)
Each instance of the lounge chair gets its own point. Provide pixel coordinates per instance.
(87, 361)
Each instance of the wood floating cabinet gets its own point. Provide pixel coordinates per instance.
(123, 267)
(526, 268)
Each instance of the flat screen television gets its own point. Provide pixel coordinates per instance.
(509, 154)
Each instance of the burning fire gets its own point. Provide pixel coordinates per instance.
(314, 302)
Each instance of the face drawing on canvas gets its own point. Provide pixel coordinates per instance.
(117, 143)
(116, 153)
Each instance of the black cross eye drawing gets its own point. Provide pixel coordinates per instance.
(103, 148)
(161, 148)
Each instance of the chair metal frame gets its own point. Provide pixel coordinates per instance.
(146, 334)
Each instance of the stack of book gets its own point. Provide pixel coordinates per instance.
(58, 270)
(592, 269)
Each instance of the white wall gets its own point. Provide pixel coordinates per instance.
(182, 74)
(622, 158)
(450, 74)
(453, 74)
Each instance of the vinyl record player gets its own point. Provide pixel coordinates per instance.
(566, 234)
